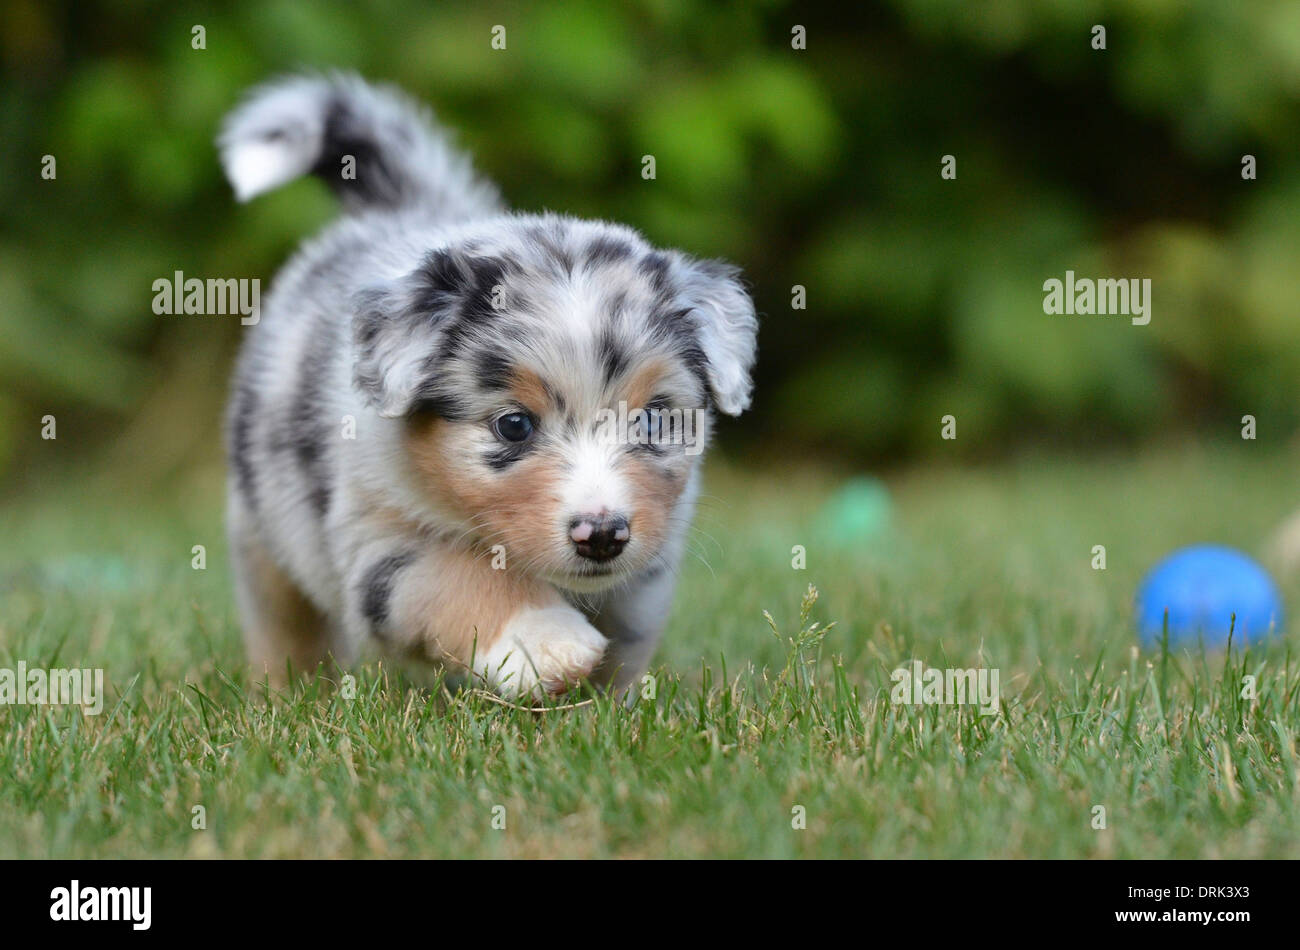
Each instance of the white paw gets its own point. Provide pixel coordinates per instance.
(542, 650)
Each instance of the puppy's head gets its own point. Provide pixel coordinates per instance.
(557, 379)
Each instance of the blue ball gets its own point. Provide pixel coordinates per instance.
(1202, 587)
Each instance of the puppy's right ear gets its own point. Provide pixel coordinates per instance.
(398, 331)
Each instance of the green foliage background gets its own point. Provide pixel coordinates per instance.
(816, 167)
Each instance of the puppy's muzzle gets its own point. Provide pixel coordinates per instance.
(599, 537)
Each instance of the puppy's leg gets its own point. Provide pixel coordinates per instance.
(513, 631)
(281, 626)
(634, 621)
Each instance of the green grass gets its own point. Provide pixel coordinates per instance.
(986, 566)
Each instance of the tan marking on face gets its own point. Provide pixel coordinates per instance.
(518, 508)
(437, 459)
(643, 386)
(527, 387)
(656, 496)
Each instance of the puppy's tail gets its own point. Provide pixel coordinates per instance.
(374, 147)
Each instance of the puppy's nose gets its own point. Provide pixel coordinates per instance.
(599, 537)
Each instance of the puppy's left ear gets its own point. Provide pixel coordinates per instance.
(728, 326)
(399, 327)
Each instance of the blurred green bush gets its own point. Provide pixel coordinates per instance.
(817, 168)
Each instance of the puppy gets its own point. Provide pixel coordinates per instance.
(458, 432)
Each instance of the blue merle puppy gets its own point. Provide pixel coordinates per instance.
(447, 431)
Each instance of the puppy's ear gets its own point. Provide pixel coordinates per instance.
(401, 330)
(728, 326)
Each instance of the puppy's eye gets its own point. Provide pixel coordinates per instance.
(652, 425)
(649, 425)
(513, 427)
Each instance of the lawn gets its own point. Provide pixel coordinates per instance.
(750, 733)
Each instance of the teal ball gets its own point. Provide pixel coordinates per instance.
(858, 511)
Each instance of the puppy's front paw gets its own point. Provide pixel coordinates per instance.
(542, 650)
